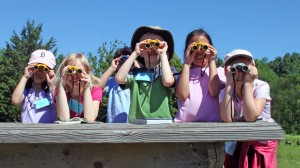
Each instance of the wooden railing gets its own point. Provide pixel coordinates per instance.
(125, 145)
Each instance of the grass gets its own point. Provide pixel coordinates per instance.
(289, 155)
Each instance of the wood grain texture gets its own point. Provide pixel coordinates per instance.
(158, 155)
(130, 133)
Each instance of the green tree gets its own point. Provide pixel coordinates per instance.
(265, 73)
(14, 60)
(219, 62)
(106, 52)
(285, 92)
(289, 64)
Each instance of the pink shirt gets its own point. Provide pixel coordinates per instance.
(96, 96)
(200, 106)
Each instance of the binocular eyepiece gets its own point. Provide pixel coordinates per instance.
(199, 45)
(123, 58)
(72, 68)
(239, 66)
(45, 67)
(151, 43)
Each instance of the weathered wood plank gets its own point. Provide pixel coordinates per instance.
(158, 155)
(130, 133)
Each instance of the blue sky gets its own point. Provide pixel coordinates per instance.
(267, 28)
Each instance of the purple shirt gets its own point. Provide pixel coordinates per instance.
(200, 106)
(30, 114)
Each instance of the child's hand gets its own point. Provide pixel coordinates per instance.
(63, 76)
(211, 53)
(140, 48)
(86, 79)
(28, 71)
(50, 76)
(251, 74)
(115, 63)
(229, 77)
(163, 47)
(189, 55)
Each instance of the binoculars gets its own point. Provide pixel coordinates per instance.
(239, 66)
(151, 43)
(123, 58)
(37, 67)
(201, 45)
(72, 68)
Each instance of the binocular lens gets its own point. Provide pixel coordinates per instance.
(123, 58)
(157, 45)
(239, 66)
(245, 68)
(195, 48)
(233, 70)
(36, 67)
(204, 47)
(70, 71)
(78, 71)
(148, 45)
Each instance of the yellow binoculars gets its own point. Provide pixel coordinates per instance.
(72, 68)
(45, 67)
(199, 45)
(151, 43)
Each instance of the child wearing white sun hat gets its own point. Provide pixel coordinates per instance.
(246, 99)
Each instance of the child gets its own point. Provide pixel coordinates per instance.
(33, 89)
(149, 88)
(199, 84)
(246, 98)
(119, 99)
(77, 91)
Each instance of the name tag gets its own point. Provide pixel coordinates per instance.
(75, 106)
(144, 76)
(42, 103)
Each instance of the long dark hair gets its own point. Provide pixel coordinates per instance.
(197, 32)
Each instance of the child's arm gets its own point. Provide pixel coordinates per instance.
(90, 106)
(227, 106)
(252, 107)
(183, 86)
(214, 83)
(121, 76)
(105, 76)
(17, 95)
(167, 75)
(62, 107)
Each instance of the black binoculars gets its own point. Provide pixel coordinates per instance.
(123, 58)
(151, 43)
(72, 68)
(239, 66)
(201, 45)
(37, 67)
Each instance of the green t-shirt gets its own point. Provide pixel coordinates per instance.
(148, 100)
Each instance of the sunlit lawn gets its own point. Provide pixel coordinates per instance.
(289, 155)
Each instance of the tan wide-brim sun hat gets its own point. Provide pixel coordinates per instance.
(166, 35)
